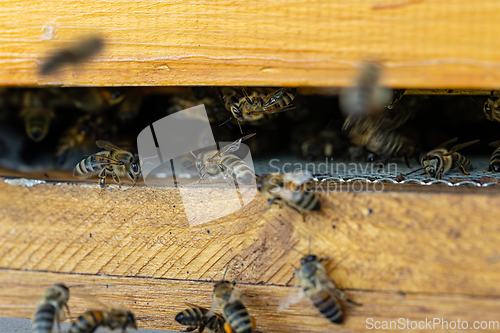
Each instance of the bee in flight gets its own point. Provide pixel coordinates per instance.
(79, 52)
(254, 106)
(439, 161)
(319, 288)
(37, 113)
(228, 300)
(290, 188)
(114, 317)
(495, 157)
(214, 162)
(195, 317)
(491, 107)
(112, 160)
(50, 309)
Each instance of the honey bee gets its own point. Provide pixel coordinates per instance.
(96, 99)
(491, 107)
(290, 188)
(228, 300)
(79, 52)
(195, 317)
(214, 163)
(254, 106)
(37, 112)
(320, 289)
(112, 160)
(50, 309)
(439, 161)
(495, 157)
(113, 318)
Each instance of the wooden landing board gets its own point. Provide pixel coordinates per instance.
(421, 43)
(157, 301)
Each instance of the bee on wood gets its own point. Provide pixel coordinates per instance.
(439, 161)
(254, 106)
(112, 160)
(96, 99)
(213, 163)
(51, 308)
(74, 54)
(37, 113)
(495, 157)
(491, 107)
(228, 300)
(195, 317)
(290, 188)
(113, 318)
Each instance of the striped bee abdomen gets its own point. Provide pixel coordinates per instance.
(215, 324)
(328, 305)
(304, 199)
(237, 316)
(37, 126)
(495, 161)
(237, 169)
(281, 98)
(44, 318)
(87, 322)
(191, 316)
(461, 160)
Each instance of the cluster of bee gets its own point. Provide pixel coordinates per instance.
(55, 301)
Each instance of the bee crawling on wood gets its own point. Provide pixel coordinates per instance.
(114, 317)
(112, 160)
(439, 161)
(195, 317)
(51, 308)
(319, 288)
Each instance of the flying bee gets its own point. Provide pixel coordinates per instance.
(112, 160)
(113, 318)
(195, 317)
(214, 162)
(495, 157)
(254, 106)
(77, 53)
(320, 289)
(439, 161)
(491, 107)
(50, 309)
(37, 112)
(290, 188)
(228, 300)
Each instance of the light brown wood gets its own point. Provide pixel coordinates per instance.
(157, 301)
(422, 44)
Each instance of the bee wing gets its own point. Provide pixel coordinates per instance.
(279, 109)
(106, 145)
(293, 296)
(298, 178)
(460, 146)
(231, 147)
(194, 306)
(495, 144)
(445, 144)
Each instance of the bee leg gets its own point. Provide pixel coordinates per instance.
(343, 297)
(269, 204)
(102, 179)
(117, 180)
(462, 170)
(202, 177)
(440, 174)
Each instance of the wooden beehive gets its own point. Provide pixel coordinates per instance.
(408, 252)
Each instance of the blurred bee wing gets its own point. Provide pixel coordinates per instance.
(461, 146)
(293, 296)
(106, 145)
(232, 147)
(298, 178)
(194, 306)
(495, 144)
(446, 143)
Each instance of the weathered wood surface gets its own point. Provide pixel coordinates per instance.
(422, 44)
(157, 301)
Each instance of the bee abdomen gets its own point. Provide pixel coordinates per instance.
(238, 317)
(326, 303)
(191, 316)
(44, 318)
(495, 161)
(238, 169)
(463, 161)
(305, 200)
(37, 126)
(216, 324)
(87, 322)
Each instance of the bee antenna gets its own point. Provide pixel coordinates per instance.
(474, 101)
(211, 279)
(302, 253)
(226, 121)
(187, 166)
(409, 173)
(225, 271)
(239, 126)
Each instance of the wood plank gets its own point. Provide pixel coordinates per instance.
(422, 44)
(157, 301)
(409, 241)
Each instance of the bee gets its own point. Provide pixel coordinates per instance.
(50, 309)
(37, 112)
(495, 157)
(113, 318)
(439, 161)
(491, 107)
(195, 317)
(254, 106)
(96, 99)
(214, 162)
(228, 300)
(320, 289)
(290, 188)
(112, 160)
(79, 52)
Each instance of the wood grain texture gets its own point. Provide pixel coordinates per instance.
(422, 44)
(157, 301)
